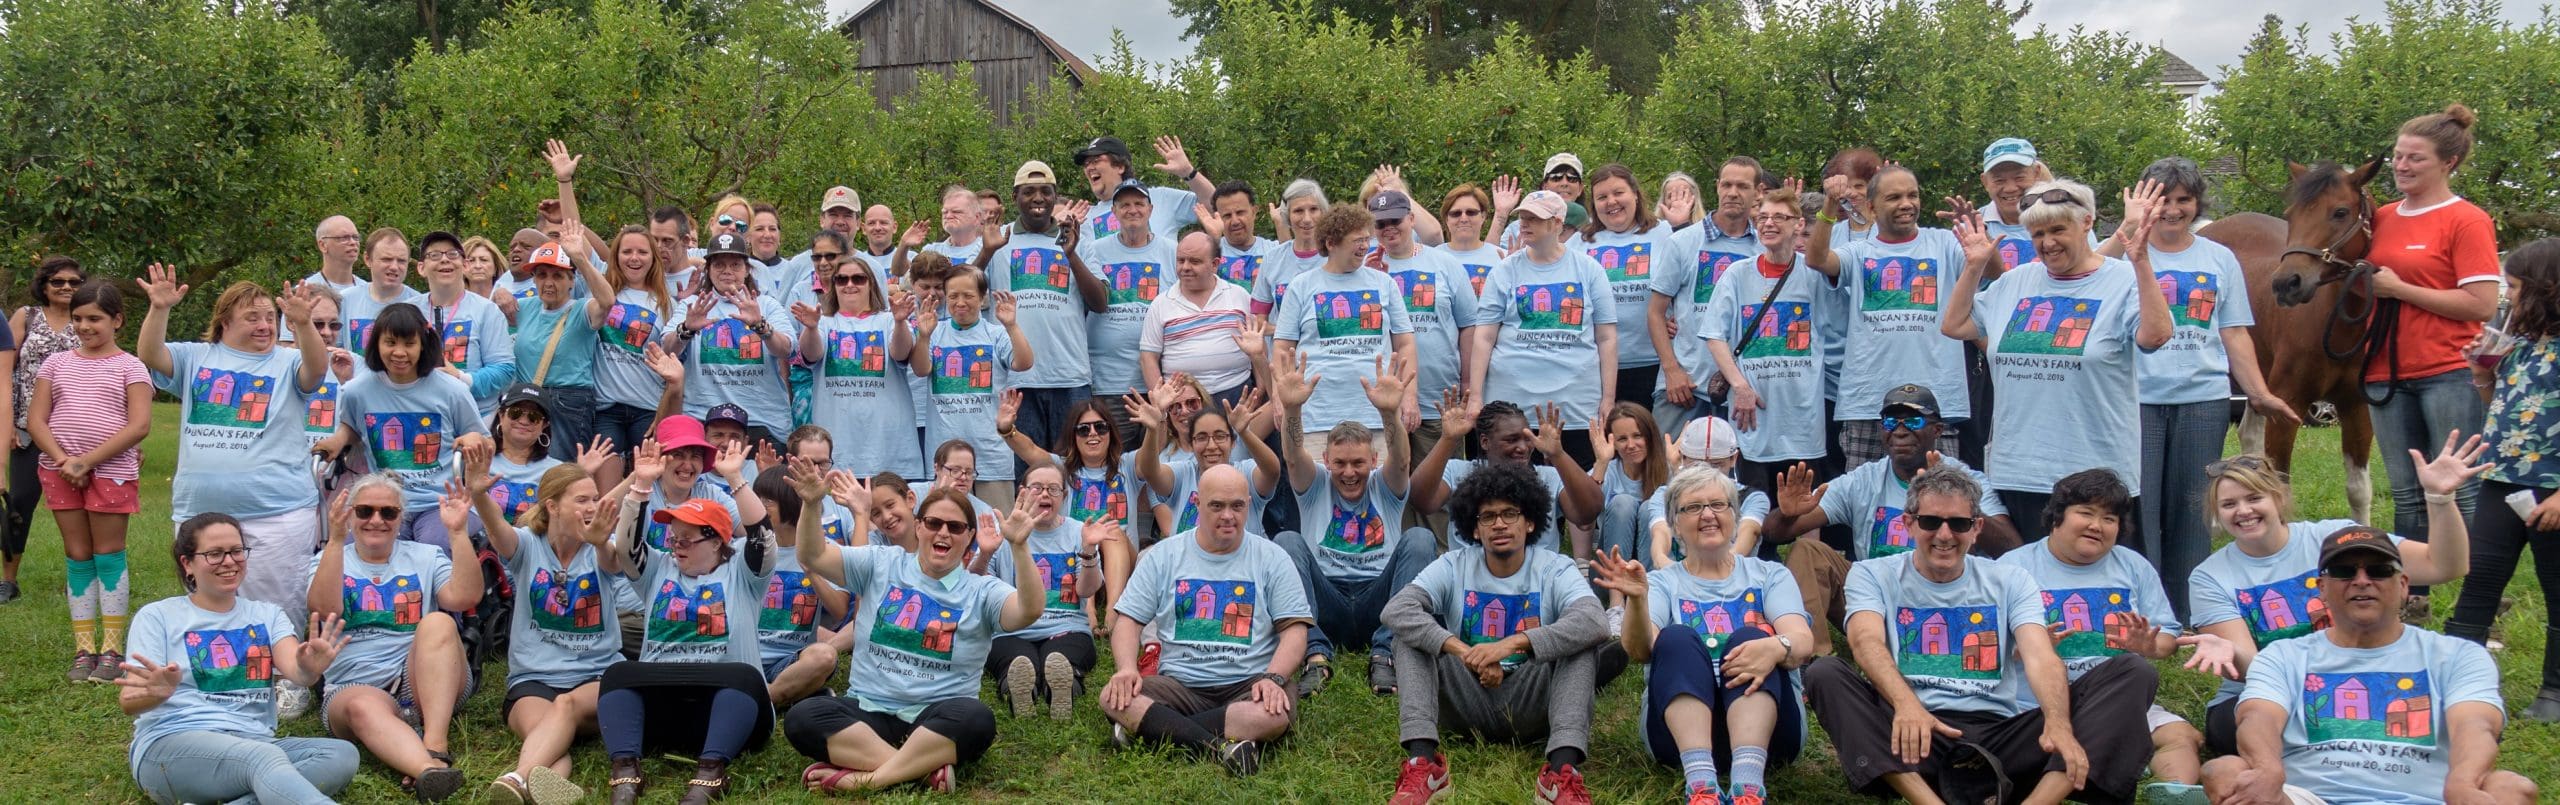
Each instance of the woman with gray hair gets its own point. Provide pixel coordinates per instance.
(1677, 201)
(2063, 331)
(2184, 386)
(1301, 203)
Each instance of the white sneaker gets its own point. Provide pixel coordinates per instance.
(1617, 621)
(292, 701)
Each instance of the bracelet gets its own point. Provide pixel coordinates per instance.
(1195, 173)
(686, 333)
(760, 328)
(2433, 498)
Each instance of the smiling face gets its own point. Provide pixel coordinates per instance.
(1896, 197)
(374, 535)
(1565, 181)
(1348, 464)
(879, 226)
(684, 466)
(1303, 212)
(1093, 438)
(1627, 437)
(576, 505)
(764, 236)
(2416, 167)
(399, 356)
(893, 515)
(442, 263)
(2085, 535)
(942, 534)
(1038, 202)
(2007, 182)
(1706, 531)
(633, 253)
(1132, 210)
(1212, 439)
(2247, 514)
(219, 578)
(252, 326)
(1102, 173)
(1506, 438)
(1779, 224)
(851, 283)
(522, 425)
(1614, 198)
(1939, 553)
(2177, 211)
(2062, 243)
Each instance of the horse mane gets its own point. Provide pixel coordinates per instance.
(2316, 181)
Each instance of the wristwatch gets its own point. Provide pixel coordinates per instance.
(1789, 645)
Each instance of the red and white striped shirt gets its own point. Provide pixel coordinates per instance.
(1200, 340)
(88, 397)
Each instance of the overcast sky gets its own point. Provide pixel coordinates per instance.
(2209, 33)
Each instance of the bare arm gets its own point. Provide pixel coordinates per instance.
(1875, 657)
(1030, 589)
(2472, 737)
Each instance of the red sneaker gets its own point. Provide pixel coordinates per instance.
(1705, 795)
(1423, 780)
(1562, 785)
(1749, 795)
(1149, 659)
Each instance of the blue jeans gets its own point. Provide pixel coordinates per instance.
(2418, 418)
(573, 420)
(1350, 607)
(205, 766)
(626, 425)
(2177, 441)
(1622, 529)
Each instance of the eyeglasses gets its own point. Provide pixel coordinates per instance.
(1931, 522)
(525, 414)
(1776, 218)
(853, 279)
(1695, 509)
(1092, 428)
(442, 254)
(1213, 436)
(326, 325)
(223, 556)
(680, 543)
(937, 524)
(377, 512)
(65, 282)
(962, 472)
(826, 257)
(1183, 406)
(2376, 571)
(1910, 423)
(1463, 212)
(2054, 196)
(1502, 517)
(1045, 489)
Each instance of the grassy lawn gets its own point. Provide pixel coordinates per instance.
(67, 743)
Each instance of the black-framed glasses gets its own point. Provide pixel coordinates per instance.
(959, 472)
(1931, 522)
(442, 254)
(376, 512)
(680, 543)
(1695, 509)
(2375, 571)
(1501, 517)
(1092, 428)
(1044, 488)
(2054, 196)
(1213, 436)
(240, 554)
(937, 524)
(1911, 423)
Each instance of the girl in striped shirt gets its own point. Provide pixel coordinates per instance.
(91, 407)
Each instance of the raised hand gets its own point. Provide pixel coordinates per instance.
(1550, 431)
(2452, 466)
(573, 240)
(2213, 655)
(1004, 308)
(1618, 574)
(1146, 411)
(1209, 222)
(1602, 450)
(848, 491)
(1254, 338)
(1008, 409)
(916, 235)
(648, 461)
(902, 304)
(808, 479)
(730, 460)
(564, 165)
(1387, 393)
(454, 509)
(666, 365)
(475, 471)
(1506, 193)
(1977, 242)
(749, 313)
(697, 312)
(766, 458)
(593, 456)
(1101, 531)
(1959, 208)
(153, 679)
(342, 515)
(1457, 416)
(295, 303)
(1291, 383)
(327, 636)
(804, 313)
(1797, 496)
(161, 285)
(1176, 161)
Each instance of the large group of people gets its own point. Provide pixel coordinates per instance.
(1948, 493)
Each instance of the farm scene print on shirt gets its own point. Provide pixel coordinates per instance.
(2282, 609)
(395, 604)
(1715, 621)
(227, 399)
(405, 440)
(914, 623)
(680, 616)
(1897, 282)
(1949, 644)
(228, 660)
(2371, 706)
(2050, 325)
(1213, 611)
(1489, 617)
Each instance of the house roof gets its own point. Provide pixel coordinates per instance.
(2174, 70)
(1083, 71)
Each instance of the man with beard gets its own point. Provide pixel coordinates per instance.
(1895, 284)
(1037, 260)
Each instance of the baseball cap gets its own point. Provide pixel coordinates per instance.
(728, 243)
(432, 238)
(1100, 146)
(704, 512)
(549, 256)
(679, 432)
(1708, 439)
(2008, 151)
(1913, 397)
(726, 412)
(1575, 215)
(1564, 159)
(840, 197)
(521, 393)
(1543, 204)
(1390, 205)
(1034, 172)
(1128, 186)
(2355, 538)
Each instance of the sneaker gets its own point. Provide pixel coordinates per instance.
(1019, 678)
(1750, 795)
(292, 701)
(439, 784)
(508, 789)
(1561, 785)
(1705, 795)
(1422, 780)
(1617, 621)
(1119, 736)
(82, 665)
(1242, 758)
(943, 780)
(1062, 686)
(2174, 794)
(110, 667)
(1313, 677)
(8, 591)
(1382, 674)
(1150, 659)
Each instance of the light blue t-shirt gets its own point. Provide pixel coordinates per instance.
(478, 341)
(574, 362)
(1549, 344)
(564, 632)
(1480, 607)
(1342, 323)
(1219, 615)
(1170, 211)
(518, 486)
(705, 486)
(240, 432)
(862, 396)
(227, 668)
(409, 429)
(381, 605)
(622, 373)
(1185, 499)
(1055, 554)
(1475, 264)
(357, 309)
(1281, 266)
(1628, 260)
(2069, 346)
(1241, 267)
(1756, 594)
(707, 618)
(921, 640)
(1781, 359)
(2089, 598)
(1869, 498)
(1895, 292)
(1135, 276)
(1457, 469)
(969, 365)
(2276, 596)
(2368, 725)
(1351, 540)
(1701, 254)
(1955, 642)
(1094, 495)
(2015, 245)
(729, 363)
(787, 621)
(960, 254)
(320, 280)
(1441, 304)
(1048, 310)
(2207, 292)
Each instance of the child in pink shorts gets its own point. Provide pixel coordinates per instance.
(90, 410)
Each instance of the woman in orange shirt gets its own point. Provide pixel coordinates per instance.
(2438, 255)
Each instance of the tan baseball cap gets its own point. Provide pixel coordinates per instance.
(1034, 172)
(841, 197)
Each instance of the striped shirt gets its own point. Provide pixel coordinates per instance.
(88, 397)
(1200, 340)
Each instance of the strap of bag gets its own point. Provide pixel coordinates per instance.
(1748, 333)
(552, 347)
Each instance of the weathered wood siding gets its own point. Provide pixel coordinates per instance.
(902, 38)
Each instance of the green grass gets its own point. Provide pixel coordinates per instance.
(67, 743)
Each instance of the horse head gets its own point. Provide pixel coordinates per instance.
(2329, 225)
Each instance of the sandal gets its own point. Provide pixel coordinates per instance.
(824, 777)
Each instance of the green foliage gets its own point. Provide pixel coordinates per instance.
(1626, 39)
(2288, 101)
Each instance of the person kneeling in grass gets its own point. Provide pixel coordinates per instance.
(1499, 640)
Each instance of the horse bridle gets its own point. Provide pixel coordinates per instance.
(2380, 332)
(2328, 255)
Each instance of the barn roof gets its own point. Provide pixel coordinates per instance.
(1083, 71)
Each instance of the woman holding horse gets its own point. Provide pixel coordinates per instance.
(2524, 457)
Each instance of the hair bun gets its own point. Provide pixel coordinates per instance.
(2460, 115)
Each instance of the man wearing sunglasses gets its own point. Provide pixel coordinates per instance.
(1950, 644)
(2370, 709)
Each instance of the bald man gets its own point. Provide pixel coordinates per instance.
(1234, 621)
(879, 238)
(1193, 329)
(340, 245)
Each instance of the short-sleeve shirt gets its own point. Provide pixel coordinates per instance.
(1756, 594)
(2089, 599)
(862, 396)
(1219, 615)
(358, 309)
(1628, 259)
(1480, 607)
(227, 668)
(409, 429)
(1694, 281)
(2277, 596)
(712, 617)
(2524, 417)
(475, 336)
(727, 362)
(1351, 539)
(1953, 642)
(565, 631)
(2447, 246)
(240, 433)
(1457, 470)
(788, 620)
(1282, 265)
(2068, 345)
(1441, 304)
(622, 373)
(1096, 495)
(1199, 339)
(573, 363)
(1135, 277)
(1477, 263)
(2207, 292)
(1239, 267)
(960, 254)
(704, 486)
(919, 640)
(1781, 359)
(1869, 499)
(2368, 725)
(1048, 310)
(517, 487)
(1895, 292)
(969, 365)
(1170, 212)
(1342, 323)
(382, 605)
(1185, 499)
(1056, 554)
(1549, 345)
(89, 407)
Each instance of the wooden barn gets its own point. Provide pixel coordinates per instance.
(1008, 58)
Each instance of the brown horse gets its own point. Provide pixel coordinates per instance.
(2313, 305)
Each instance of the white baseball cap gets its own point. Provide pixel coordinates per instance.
(1709, 439)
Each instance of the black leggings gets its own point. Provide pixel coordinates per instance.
(2498, 541)
(1077, 647)
(967, 722)
(24, 494)
(714, 710)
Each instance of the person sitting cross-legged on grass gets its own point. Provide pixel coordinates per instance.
(1949, 642)
(1499, 640)
(2369, 709)
(1725, 634)
(1233, 617)
(1355, 552)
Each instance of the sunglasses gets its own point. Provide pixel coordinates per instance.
(327, 326)
(2377, 571)
(853, 279)
(938, 524)
(385, 513)
(223, 556)
(2056, 196)
(1464, 213)
(1931, 522)
(1092, 428)
(1564, 176)
(826, 257)
(64, 282)
(1911, 423)
(525, 414)
(679, 543)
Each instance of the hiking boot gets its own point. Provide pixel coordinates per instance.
(1062, 686)
(1561, 785)
(83, 665)
(626, 781)
(1382, 674)
(1313, 677)
(1422, 780)
(1242, 758)
(1019, 678)
(710, 782)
